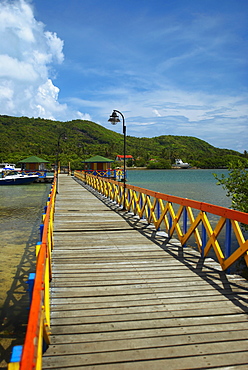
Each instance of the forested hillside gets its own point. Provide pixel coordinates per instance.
(22, 137)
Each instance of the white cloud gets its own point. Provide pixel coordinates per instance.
(13, 68)
(56, 45)
(220, 120)
(156, 112)
(27, 52)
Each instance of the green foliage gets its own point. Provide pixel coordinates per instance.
(160, 164)
(22, 137)
(236, 185)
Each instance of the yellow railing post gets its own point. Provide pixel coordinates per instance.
(143, 202)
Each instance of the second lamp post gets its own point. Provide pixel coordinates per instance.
(63, 137)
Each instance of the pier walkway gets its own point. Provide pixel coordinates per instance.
(124, 296)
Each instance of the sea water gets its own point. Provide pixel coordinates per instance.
(193, 184)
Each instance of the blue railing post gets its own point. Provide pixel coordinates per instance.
(228, 240)
(204, 240)
(158, 212)
(30, 283)
(141, 205)
(170, 224)
(185, 222)
(41, 231)
(16, 354)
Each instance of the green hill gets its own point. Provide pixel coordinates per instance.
(22, 137)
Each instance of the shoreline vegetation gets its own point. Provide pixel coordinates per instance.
(172, 168)
(77, 140)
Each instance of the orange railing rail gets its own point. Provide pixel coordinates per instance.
(182, 217)
(29, 357)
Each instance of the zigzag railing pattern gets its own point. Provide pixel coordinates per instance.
(184, 217)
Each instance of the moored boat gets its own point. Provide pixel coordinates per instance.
(16, 178)
(180, 164)
(4, 166)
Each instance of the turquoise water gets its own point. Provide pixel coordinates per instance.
(198, 185)
(188, 183)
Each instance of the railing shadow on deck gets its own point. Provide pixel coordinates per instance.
(234, 288)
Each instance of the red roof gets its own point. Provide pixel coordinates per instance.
(126, 156)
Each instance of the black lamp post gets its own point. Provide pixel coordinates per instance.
(63, 137)
(114, 119)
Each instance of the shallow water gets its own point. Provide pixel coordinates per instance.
(21, 208)
(20, 214)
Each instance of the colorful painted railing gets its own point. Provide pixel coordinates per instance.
(43, 174)
(184, 217)
(117, 174)
(29, 356)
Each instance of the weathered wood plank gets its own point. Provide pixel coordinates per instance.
(159, 310)
(170, 352)
(149, 342)
(184, 323)
(195, 362)
(230, 325)
(123, 296)
(207, 295)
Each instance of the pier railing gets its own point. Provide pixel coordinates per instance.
(29, 356)
(117, 174)
(182, 217)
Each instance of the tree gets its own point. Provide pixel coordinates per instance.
(236, 184)
(160, 164)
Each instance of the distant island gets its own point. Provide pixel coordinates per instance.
(22, 137)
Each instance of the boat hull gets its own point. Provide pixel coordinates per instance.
(18, 180)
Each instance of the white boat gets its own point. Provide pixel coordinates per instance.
(180, 164)
(16, 178)
(8, 167)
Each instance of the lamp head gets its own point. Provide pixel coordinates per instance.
(114, 118)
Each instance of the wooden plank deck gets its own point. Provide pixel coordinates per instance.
(126, 297)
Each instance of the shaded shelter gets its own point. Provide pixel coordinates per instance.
(33, 163)
(98, 163)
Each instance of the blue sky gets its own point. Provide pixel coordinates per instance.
(172, 67)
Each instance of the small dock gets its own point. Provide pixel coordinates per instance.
(125, 296)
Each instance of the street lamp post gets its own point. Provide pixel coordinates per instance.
(61, 136)
(114, 119)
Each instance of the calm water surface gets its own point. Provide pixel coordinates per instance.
(188, 183)
(21, 207)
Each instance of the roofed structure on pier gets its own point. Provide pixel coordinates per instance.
(33, 163)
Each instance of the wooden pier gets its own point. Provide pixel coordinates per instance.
(124, 296)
